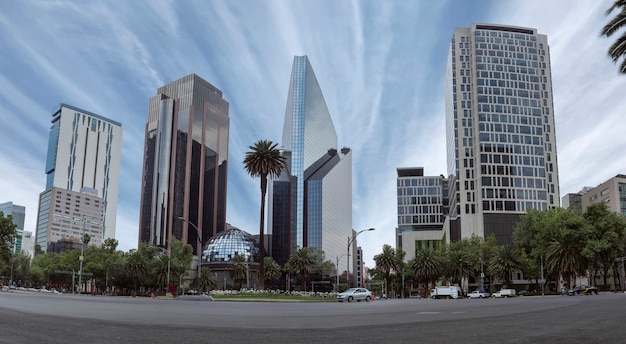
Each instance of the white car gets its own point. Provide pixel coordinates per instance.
(357, 294)
(477, 294)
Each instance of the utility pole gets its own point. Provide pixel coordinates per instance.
(82, 252)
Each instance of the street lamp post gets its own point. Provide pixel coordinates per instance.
(169, 262)
(337, 268)
(350, 241)
(542, 293)
(82, 252)
(198, 247)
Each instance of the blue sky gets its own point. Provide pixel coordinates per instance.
(380, 65)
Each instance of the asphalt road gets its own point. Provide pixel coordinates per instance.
(31, 317)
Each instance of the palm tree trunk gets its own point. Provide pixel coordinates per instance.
(262, 234)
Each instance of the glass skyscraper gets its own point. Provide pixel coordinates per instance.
(84, 153)
(18, 215)
(185, 163)
(310, 205)
(500, 129)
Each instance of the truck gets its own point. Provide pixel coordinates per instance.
(445, 292)
(504, 293)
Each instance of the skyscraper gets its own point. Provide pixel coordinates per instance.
(18, 215)
(84, 153)
(500, 128)
(185, 163)
(310, 205)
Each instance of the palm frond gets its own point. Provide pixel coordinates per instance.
(617, 23)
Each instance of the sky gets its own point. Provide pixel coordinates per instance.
(380, 65)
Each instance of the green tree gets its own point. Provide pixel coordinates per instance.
(239, 270)
(301, 264)
(564, 254)
(263, 160)
(618, 49)
(20, 263)
(387, 263)
(208, 281)
(43, 268)
(272, 270)
(604, 241)
(427, 266)
(8, 232)
(534, 233)
(457, 265)
(504, 262)
(136, 267)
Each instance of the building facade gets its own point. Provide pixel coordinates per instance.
(501, 142)
(611, 192)
(66, 216)
(310, 204)
(422, 203)
(185, 164)
(18, 215)
(84, 153)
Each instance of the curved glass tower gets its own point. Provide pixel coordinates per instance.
(310, 205)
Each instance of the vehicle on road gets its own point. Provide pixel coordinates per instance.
(504, 293)
(478, 294)
(355, 294)
(445, 292)
(583, 289)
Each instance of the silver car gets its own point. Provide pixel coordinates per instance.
(357, 294)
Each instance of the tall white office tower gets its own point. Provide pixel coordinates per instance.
(84, 153)
(500, 133)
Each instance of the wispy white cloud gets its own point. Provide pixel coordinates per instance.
(380, 65)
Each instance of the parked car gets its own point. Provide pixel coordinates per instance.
(477, 294)
(357, 294)
(583, 289)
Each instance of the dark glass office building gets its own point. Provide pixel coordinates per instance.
(310, 205)
(185, 163)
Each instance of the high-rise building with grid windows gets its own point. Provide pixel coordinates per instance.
(422, 203)
(310, 205)
(501, 144)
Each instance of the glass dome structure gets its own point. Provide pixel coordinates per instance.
(224, 246)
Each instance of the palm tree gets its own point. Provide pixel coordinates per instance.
(272, 270)
(386, 263)
(505, 261)
(263, 160)
(301, 264)
(565, 255)
(136, 267)
(207, 279)
(427, 265)
(457, 266)
(239, 270)
(618, 49)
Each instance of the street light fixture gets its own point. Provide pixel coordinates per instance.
(350, 241)
(169, 263)
(82, 252)
(198, 247)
